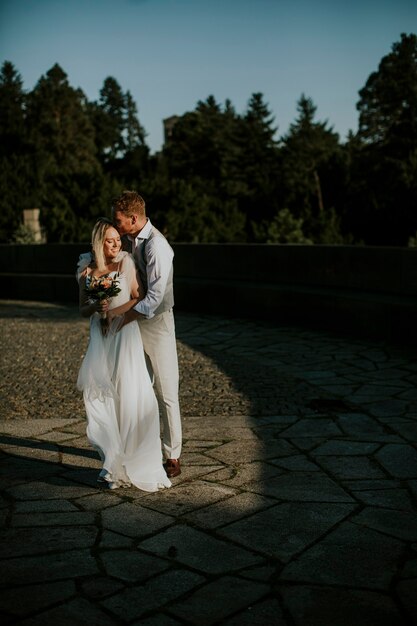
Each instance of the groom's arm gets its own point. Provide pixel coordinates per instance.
(132, 316)
(158, 269)
(123, 318)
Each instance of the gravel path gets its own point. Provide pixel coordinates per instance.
(43, 345)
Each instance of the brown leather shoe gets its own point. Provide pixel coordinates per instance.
(172, 467)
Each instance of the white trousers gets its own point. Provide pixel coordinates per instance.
(159, 343)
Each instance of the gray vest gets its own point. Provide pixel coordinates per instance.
(141, 260)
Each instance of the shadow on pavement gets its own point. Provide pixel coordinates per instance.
(286, 512)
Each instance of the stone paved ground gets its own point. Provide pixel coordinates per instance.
(296, 505)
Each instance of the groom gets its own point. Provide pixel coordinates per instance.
(153, 256)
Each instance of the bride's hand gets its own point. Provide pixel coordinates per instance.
(103, 306)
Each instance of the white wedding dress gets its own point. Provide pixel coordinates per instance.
(122, 410)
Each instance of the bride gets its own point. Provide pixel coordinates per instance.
(122, 411)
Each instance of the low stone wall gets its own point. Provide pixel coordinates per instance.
(363, 290)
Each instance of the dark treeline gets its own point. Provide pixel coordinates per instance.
(221, 176)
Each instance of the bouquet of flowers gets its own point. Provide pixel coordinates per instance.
(102, 288)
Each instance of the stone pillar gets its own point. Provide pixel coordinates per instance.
(31, 221)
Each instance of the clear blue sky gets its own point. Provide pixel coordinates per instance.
(172, 53)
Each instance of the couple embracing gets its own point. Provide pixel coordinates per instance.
(129, 375)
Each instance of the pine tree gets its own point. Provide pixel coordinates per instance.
(120, 138)
(12, 115)
(109, 119)
(258, 164)
(313, 172)
(69, 177)
(16, 179)
(196, 163)
(383, 202)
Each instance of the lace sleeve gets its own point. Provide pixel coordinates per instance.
(83, 262)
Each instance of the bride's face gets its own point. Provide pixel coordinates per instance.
(112, 243)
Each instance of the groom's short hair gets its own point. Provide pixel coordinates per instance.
(130, 203)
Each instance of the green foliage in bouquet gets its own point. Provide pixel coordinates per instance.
(102, 288)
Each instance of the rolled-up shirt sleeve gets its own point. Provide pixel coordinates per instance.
(158, 268)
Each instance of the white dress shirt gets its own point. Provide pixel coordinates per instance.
(154, 256)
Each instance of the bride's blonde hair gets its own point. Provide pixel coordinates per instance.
(97, 241)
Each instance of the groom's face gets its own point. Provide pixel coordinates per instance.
(124, 224)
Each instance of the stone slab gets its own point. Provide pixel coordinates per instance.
(62, 566)
(212, 603)
(78, 612)
(53, 488)
(350, 555)
(131, 565)
(230, 510)
(133, 602)
(20, 542)
(400, 524)
(189, 496)
(134, 520)
(322, 606)
(35, 597)
(199, 550)
(301, 486)
(399, 460)
(286, 529)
